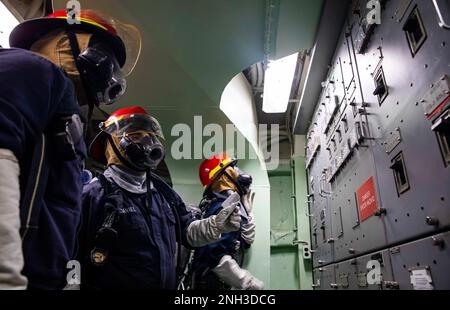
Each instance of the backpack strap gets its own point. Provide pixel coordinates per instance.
(106, 185)
(99, 240)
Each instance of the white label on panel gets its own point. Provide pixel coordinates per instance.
(421, 279)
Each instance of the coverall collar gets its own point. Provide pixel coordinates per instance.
(135, 184)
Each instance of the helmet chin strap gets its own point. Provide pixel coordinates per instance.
(75, 47)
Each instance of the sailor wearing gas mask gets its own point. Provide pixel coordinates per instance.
(132, 220)
(218, 265)
(54, 69)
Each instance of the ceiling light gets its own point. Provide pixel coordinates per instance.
(278, 80)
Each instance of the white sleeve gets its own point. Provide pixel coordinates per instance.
(11, 256)
(203, 232)
(248, 231)
(209, 230)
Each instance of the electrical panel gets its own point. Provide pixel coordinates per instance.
(422, 264)
(378, 151)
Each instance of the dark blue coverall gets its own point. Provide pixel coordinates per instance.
(209, 256)
(34, 93)
(144, 254)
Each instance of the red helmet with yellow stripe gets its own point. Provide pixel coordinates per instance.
(125, 120)
(213, 167)
(124, 39)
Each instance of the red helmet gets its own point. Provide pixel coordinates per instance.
(124, 39)
(125, 120)
(213, 167)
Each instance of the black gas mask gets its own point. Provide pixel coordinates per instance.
(137, 135)
(142, 153)
(243, 182)
(102, 74)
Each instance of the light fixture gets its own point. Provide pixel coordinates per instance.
(278, 80)
(7, 23)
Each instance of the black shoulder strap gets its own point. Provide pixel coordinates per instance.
(33, 193)
(106, 185)
(166, 190)
(89, 233)
(109, 188)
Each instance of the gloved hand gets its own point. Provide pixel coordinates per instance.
(206, 231)
(229, 218)
(255, 284)
(248, 229)
(247, 201)
(11, 256)
(229, 271)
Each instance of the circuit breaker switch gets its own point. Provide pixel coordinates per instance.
(380, 90)
(414, 29)
(442, 129)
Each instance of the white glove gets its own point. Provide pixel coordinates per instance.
(228, 219)
(11, 256)
(229, 272)
(247, 201)
(248, 230)
(206, 231)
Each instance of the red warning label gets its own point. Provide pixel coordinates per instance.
(367, 200)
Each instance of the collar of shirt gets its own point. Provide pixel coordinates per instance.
(135, 184)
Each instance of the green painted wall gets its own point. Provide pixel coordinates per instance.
(303, 232)
(258, 257)
(289, 227)
(283, 252)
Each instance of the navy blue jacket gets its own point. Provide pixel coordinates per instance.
(33, 93)
(209, 256)
(143, 257)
